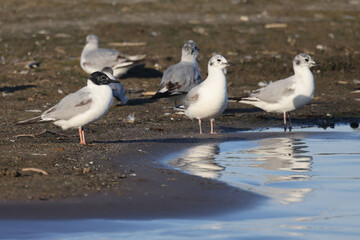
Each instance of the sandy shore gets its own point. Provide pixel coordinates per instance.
(152, 191)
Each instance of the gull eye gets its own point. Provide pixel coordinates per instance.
(306, 59)
(219, 60)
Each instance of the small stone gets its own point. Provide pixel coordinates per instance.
(43, 32)
(320, 47)
(244, 18)
(201, 31)
(354, 125)
(62, 35)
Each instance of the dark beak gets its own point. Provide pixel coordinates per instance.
(113, 81)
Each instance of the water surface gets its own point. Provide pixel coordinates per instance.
(312, 185)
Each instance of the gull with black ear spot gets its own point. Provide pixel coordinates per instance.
(180, 78)
(78, 109)
(209, 99)
(287, 94)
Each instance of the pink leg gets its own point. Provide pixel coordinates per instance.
(200, 126)
(83, 136)
(290, 124)
(80, 135)
(284, 121)
(212, 126)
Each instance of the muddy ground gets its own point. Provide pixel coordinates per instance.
(52, 33)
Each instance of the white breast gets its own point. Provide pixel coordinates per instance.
(212, 99)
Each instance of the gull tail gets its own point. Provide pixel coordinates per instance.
(123, 65)
(251, 101)
(30, 121)
(136, 57)
(167, 94)
(248, 99)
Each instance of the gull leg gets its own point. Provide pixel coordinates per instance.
(284, 121)
(80, 135)
(83, 136)
(290, 124)
(200, 126)
(212, 126)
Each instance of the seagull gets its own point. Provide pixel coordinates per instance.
(116, 87)
(209, 99)
(181, 77)
(78, 109)
(288, 94)
(95, 59)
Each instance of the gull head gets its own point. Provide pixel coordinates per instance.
(219, 62)
(303, 60)
(99, 78)
(190, 49)
(92, 39)
(109, 72)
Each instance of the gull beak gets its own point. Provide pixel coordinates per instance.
(313, 64)
(229, 64)
(197, 49)
(113, 81)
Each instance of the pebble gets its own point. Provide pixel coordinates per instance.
(62, 35)
(320, 47)
(201, 31)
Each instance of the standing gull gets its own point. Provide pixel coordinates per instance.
(78, 109)
(209, 99)
(181, 77)
(287, 94)
(116, 87)
(94, 58)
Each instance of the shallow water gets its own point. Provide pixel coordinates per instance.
(312, 184)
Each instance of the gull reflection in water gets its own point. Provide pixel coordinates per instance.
(200, 161)
(287, 161)
(272, 167)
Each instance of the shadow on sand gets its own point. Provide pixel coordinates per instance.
(142, 72)
(16, 88)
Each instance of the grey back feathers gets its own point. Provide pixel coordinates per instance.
(94, 58)
(181, 77)
(71, 105)
(274, 91)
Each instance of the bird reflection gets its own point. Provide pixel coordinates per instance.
(200, 161)
(286, 160)
(261, 168)
(283, 154)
